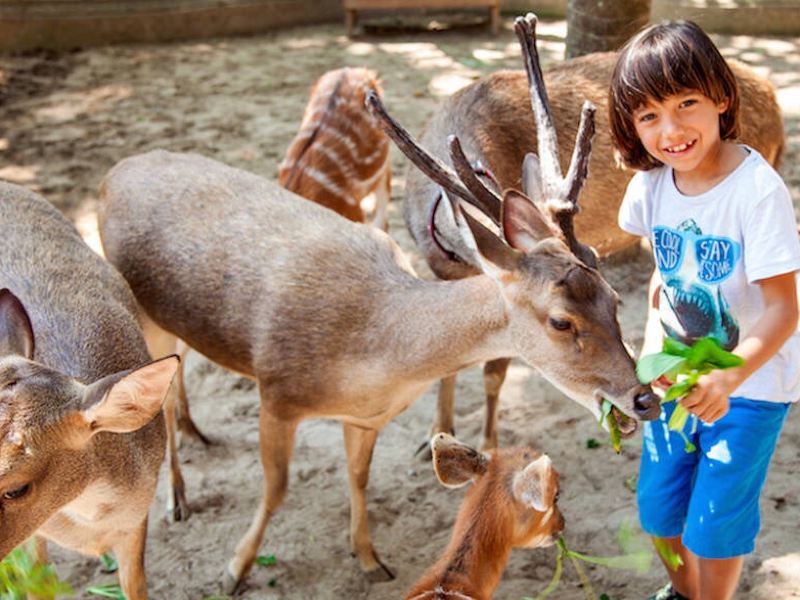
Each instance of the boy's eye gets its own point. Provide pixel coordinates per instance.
(688, 102)
(646, 117)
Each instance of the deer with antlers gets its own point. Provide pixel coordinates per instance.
(511, 504)
(331, 321)
(340, 156)
(498, 122)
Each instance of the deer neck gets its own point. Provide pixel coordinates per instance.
(437, 328)
(476, 556)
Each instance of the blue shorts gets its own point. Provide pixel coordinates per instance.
(710, 496)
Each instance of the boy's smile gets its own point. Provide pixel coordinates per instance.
(682, 131)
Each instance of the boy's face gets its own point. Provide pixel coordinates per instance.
(682, 131)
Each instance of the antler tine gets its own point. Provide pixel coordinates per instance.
(489, 202)
(427, 163)
(525, 28)
(579, 164)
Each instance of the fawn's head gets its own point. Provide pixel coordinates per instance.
(562, 313)
(47, 422)
(517, 488)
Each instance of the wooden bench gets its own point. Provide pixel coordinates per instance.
(351, 7)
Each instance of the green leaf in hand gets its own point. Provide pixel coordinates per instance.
(651, 367)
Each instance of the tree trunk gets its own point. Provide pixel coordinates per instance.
(601, 25)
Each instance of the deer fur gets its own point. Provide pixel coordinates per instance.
(81, 430)
(329, 318)
(511, 504)
(506, 132)
(340, 156)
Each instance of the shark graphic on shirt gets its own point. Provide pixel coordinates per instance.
(692, 267)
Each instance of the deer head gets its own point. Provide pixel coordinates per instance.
(517, 486)
(562, 313)
(48, 421)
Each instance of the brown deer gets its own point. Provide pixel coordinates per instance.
(496, 123)
(511, 504)
(331, 321)
(340, 155)
(81, 430)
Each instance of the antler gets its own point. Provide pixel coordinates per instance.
(434, 168)
(561, 194)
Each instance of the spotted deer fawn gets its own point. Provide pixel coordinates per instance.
(81, 430)
(330, 319)
(340, 156)
(511, 504)
(499, 144)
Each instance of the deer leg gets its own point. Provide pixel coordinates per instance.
(42, 558)
(383, 194)
(276, 438)
(443, 421)
(494, 374)
(129, 551)
(185, 423)
(359, 443)
(177, 506)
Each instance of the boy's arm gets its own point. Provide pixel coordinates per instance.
(709, 398)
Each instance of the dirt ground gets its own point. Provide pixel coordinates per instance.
(66, 118)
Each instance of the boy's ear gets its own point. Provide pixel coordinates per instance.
(723, 105)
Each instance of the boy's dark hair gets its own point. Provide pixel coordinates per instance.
(660, 61)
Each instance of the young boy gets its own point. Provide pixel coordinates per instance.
(722, 227)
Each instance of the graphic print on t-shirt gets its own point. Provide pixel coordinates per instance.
(692, 268)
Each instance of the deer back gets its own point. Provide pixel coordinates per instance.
(339, 154)
(494, 120)
(251, 275)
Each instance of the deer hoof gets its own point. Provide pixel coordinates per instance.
(231, 585)
(177, 508)
(423, 453)
(380, 574)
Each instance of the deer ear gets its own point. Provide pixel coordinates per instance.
(524, 225)
(491, 249)
(535, 485)
(456, 463)
(128, 400)
(532, 177)
(16, 332)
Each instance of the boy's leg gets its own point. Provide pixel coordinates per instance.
(723, 517)
(663, 493)
(685, 578)
(718, 577)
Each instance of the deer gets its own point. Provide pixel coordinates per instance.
(511, 504)
(340, 156)
(496, 120)
(338, 159)
(82, 434)
(330, 319)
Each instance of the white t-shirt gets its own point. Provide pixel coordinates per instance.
(710, 249)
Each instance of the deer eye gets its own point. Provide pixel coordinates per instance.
(560, 324)
(10, 384)
(17, 493)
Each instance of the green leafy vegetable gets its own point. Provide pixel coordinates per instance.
(666, 552)
(636, 556)
(21, 574)
(110, 590)
(684, 365)
(613, 427)
(109, 563)
(266, 561)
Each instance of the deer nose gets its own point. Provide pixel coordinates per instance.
(646, 405)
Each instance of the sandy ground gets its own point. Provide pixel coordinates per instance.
(66, 118)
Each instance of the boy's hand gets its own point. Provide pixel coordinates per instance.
(709, 398)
